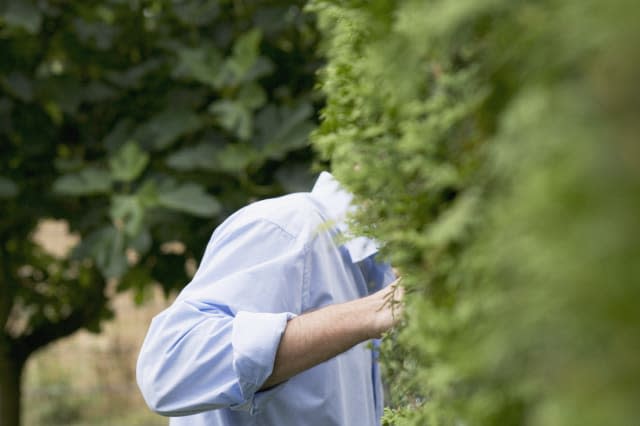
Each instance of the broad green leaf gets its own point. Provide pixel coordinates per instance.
(190, 198)
(235, 158)
(262, 67)
(67, 165)
(284, 129)
(64, 92)
(110, 254)
(119, 134)
(128, 163)
(97, 91)
(252, 96)
(295, 177)
(141, 243)
(106, 246)
(55, 111)
(196, 12)
(18, 85)
(22, 13)
(234, 117)
(246, 50)
(98, 33)
(133, 77)
(202, 63)
(8, 188)
(127, 211)
(148, 194)
(137, 279)
(88, 181)
(245, 63)
(6, 106)
(201, 156)
(232, 158)
(273, 18)
(165, 128)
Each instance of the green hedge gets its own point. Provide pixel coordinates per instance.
(492, 144)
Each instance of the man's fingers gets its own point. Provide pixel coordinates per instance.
(394, 294)
(396, 289)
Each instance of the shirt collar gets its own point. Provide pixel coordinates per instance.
(336, 202)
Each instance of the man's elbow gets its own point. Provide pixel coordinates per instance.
(147, 385)
(170, 398)
(160, 401)
(156, 394)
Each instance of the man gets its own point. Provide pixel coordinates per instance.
(275, 327)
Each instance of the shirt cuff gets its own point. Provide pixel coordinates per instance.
(255, 339)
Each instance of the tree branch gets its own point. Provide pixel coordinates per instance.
(6, 296)
(80, 317)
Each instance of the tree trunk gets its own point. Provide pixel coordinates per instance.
(11, 368)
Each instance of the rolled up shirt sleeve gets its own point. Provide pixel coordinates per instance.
(215, 345)
(255, 340)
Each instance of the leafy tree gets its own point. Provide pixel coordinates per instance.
(493, 145)
(141, 123)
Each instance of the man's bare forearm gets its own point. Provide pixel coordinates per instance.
(317, 336)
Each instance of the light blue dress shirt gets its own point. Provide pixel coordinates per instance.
(205, 358)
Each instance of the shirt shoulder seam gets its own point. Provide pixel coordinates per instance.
(277, 225)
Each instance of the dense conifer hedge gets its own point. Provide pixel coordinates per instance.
(493, 145)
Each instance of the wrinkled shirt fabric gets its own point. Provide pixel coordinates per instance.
(205, 357)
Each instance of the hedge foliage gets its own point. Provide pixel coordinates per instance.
(492, 144)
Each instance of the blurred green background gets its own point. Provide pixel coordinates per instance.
(141, 125)
(491, 145)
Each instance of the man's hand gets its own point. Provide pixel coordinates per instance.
(389, 313)
(317, 336)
